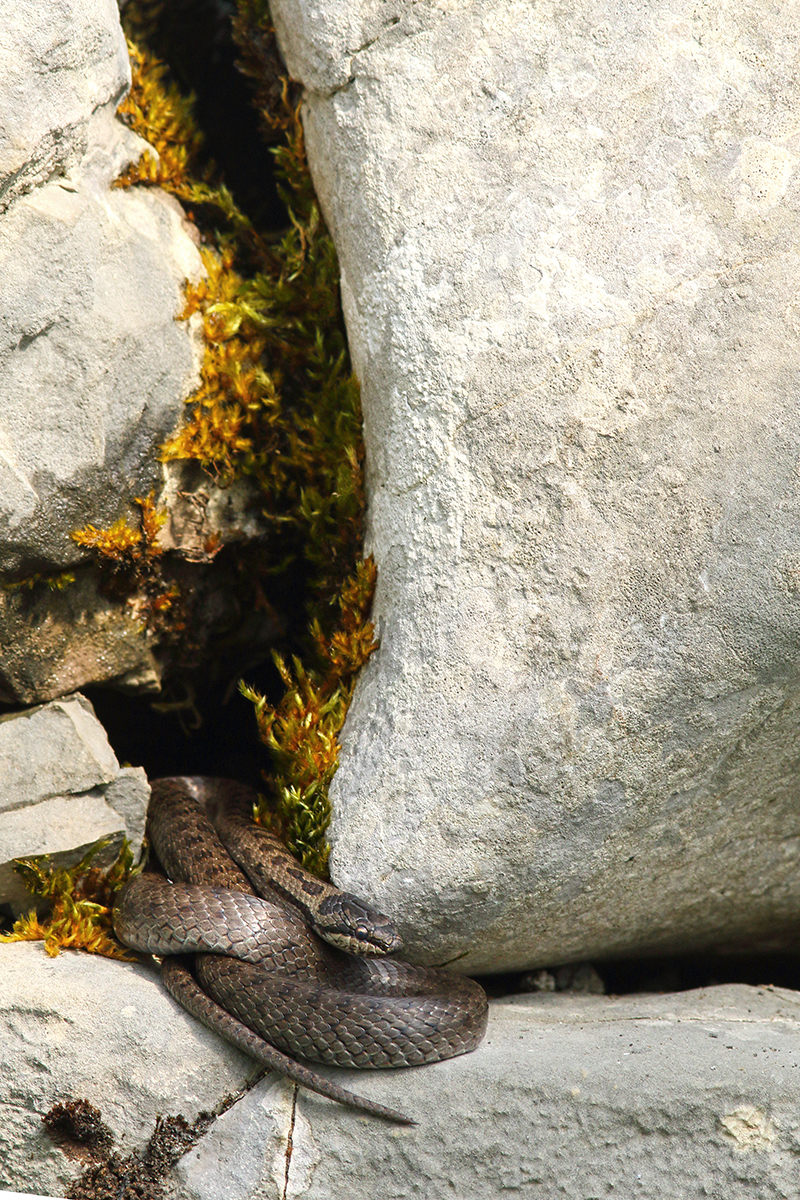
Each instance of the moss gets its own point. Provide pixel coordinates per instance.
(131, 565)
(81, 900)
(54, 583)
(277, 405)
(302, 731)
(127, 550)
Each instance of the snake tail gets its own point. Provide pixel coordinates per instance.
(182, 986)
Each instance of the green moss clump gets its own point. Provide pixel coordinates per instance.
(53, 582)
(303, 730)
(81, 897)
(131, 564)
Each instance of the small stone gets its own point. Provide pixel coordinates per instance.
(55, 749)
(62, 790)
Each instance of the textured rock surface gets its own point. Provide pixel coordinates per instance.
(55, 641)
(94, 368)
(93, 365)
(26, 1196)
(657, 1096)
(570, 246)
(57, 66)
(660, 1096)
(81, 1027)
(61, 789)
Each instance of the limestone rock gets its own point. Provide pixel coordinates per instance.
(94, 367)
(27, 1196)
(574, 1094)
(83, 1027)
(57, 65)
(570, 252)
(568, 1096)
(61, 790)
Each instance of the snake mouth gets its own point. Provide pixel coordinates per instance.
(358, 942)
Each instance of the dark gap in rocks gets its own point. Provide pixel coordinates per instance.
(200, 724)
(653, 975)
(194, 38)
(170, 742)
(240, 607)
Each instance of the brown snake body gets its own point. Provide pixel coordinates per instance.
(262, 977)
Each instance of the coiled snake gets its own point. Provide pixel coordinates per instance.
(261, 976)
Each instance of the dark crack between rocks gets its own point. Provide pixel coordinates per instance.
(290, 1144)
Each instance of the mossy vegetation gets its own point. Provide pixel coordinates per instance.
(303, 730)
(53, 582)
(81, 900)
(277, 405)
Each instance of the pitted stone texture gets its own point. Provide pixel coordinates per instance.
(570, 251)
(61, 790)
(83, 1027)
(59, 62)
(687, 1094)
(129, 795)
(94, 368)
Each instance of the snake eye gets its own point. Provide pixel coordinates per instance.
(346, 921)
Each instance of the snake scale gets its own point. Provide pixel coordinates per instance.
(254, 968)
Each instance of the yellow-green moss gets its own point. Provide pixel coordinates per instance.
(277, 404)
(81, 897)
(53, 582)
(303, 730)
(131, 563)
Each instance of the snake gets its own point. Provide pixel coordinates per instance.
(279, 963)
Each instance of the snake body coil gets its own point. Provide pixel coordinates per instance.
(262, 977)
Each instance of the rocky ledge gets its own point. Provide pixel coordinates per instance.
(683, 1094)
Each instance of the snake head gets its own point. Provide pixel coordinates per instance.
(350, 924)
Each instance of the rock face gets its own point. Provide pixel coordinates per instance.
(573, 1096)
(61, 790)
(93, 365)
(56, 71)
(52, 642)
(94, 368)
(570, 248)
(82, 1027)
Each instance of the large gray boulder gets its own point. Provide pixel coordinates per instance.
(573, 1096)
(570, 252)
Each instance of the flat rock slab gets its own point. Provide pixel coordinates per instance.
(688, 1094)
(570, 252)
(61, 790)
(83, 1027)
